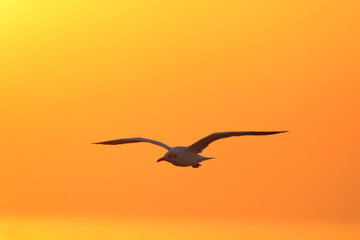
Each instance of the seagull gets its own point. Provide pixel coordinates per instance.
(188, 156)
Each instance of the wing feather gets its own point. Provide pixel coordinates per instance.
(200, 145)
(134, 140)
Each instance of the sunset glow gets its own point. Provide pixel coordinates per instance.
(77, 72)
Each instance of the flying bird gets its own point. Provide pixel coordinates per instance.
(187, 156)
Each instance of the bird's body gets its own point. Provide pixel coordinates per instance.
(187, 156)
(181, 157)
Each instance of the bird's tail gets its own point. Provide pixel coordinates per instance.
(205, 158)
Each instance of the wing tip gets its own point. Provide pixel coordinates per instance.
(280, 132)
(104, 143)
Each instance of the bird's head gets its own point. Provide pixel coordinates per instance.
(168, 157)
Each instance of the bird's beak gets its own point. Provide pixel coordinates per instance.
(161, 159)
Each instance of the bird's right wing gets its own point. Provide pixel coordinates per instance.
(134, 140)
(199, 146)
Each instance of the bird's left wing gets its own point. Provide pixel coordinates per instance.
(199, 146)
(134, 140)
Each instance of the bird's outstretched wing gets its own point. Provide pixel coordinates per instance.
(134, 140)
(200, 145)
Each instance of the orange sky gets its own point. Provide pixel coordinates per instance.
(77, 72)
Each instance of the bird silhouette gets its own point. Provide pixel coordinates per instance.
(188, 156)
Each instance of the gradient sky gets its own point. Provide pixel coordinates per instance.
(76, 72)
